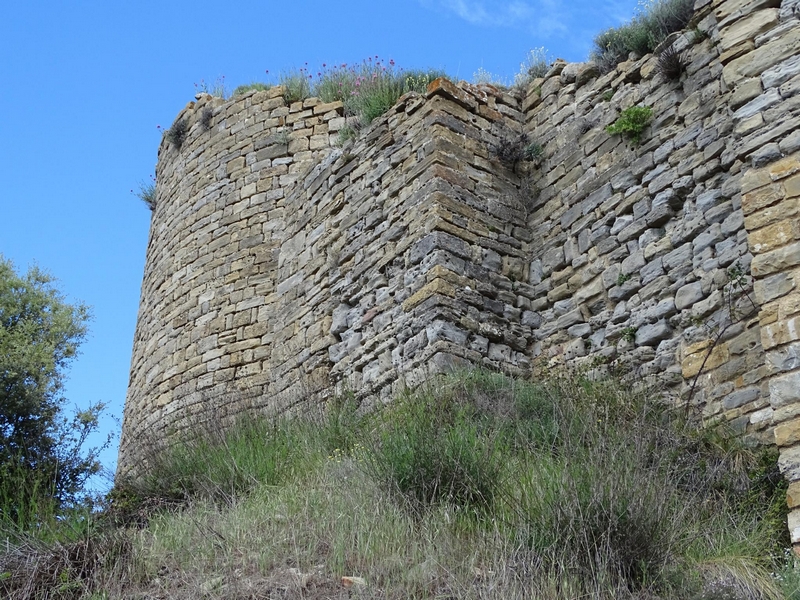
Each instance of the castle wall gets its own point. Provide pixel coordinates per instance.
(282, 267)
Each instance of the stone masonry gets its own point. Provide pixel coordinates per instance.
(281, 266)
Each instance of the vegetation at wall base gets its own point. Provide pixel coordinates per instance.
(477, 485)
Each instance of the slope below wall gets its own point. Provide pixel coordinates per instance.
(282, 267)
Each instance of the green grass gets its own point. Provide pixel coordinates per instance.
(474, 486)
(257, 86)
(370, 89)
(643, 33)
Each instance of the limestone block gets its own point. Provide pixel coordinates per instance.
(650, 335)
(784, 389)
(793, 495)
(754, 63)
(748, 28)
(687, 295)
(746, 91)
(788, 433)
(776, 260)
(691, 364)
(773, 236)
(780, 332)
(794, 526)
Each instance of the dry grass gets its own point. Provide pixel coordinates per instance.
(596, 495)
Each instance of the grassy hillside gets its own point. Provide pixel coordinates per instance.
(479, 486)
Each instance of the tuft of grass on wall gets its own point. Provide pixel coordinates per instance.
(296, 84)
(257, 86)
(655, 21)
(370, 89)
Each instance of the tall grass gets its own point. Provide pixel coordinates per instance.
(476, 486)
(654, 22)
(367, 90)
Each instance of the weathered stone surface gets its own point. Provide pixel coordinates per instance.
(288, 268)
(649, 335)
(754, 63)
(688, 295)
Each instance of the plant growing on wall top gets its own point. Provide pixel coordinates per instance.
(632, 122)
(216, 89)
(370, 89)
(655, 20)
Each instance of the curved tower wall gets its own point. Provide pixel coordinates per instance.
(281, 267)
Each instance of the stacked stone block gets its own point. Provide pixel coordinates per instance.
(771, 202)
(283, 266)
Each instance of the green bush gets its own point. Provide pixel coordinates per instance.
(643, 33)
(431, 449)
(632, 122)
(243, 89)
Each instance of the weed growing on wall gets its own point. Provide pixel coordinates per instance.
(632, 122)
(655, 20)
(147, 192)
(296, 84)
(511, 148)
(178, 133)
(670, 63)
(369, 89)
(257, 86)
(206, 117)
(216, 88)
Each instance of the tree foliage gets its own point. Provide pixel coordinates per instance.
(41, 457)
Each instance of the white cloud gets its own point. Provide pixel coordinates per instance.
(542, 17)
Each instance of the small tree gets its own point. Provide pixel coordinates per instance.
(42, 464)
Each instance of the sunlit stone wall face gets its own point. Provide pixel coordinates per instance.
(283, 266)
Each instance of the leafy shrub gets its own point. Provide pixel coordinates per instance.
(632, 122)
(43, 466)
(643, 33)
(431, 449)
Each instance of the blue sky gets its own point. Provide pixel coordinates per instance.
(85, 83)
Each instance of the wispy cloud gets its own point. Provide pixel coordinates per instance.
(542, 17)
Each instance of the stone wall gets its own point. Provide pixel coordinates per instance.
(281, 266)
